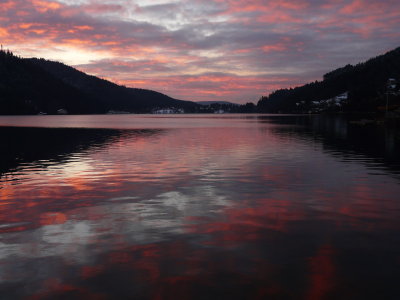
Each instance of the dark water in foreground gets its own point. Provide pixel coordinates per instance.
(198, 207)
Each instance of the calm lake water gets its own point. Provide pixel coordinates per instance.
(198, 207)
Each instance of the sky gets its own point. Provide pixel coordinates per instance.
(214, 50)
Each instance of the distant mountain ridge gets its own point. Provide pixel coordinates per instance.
(31, 86)
(363, 87)
(216, 102)
(111, 95)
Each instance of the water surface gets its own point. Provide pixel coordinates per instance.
(198, 207)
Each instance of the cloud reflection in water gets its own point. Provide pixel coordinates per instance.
(251, 210)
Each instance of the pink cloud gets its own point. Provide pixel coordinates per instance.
(257, 43)
(44, 6)
(102, 8)
(353, 7)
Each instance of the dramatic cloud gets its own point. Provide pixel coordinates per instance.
(202, 50)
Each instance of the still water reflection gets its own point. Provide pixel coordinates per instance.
(198, 207)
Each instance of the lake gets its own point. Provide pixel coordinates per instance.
(198, 207)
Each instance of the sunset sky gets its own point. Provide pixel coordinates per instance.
(231, 50)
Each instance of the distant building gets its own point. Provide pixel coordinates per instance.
(341, 97)
(391, 84)
(327, 104)
(62, 111)
(167, 111)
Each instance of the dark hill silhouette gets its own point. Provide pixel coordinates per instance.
(31, 86)
(113, 96)
(366, 84)
(26, 88)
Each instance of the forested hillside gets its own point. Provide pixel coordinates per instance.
(363, 87)
(31, 86)
(113, 96)
(26, 88)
